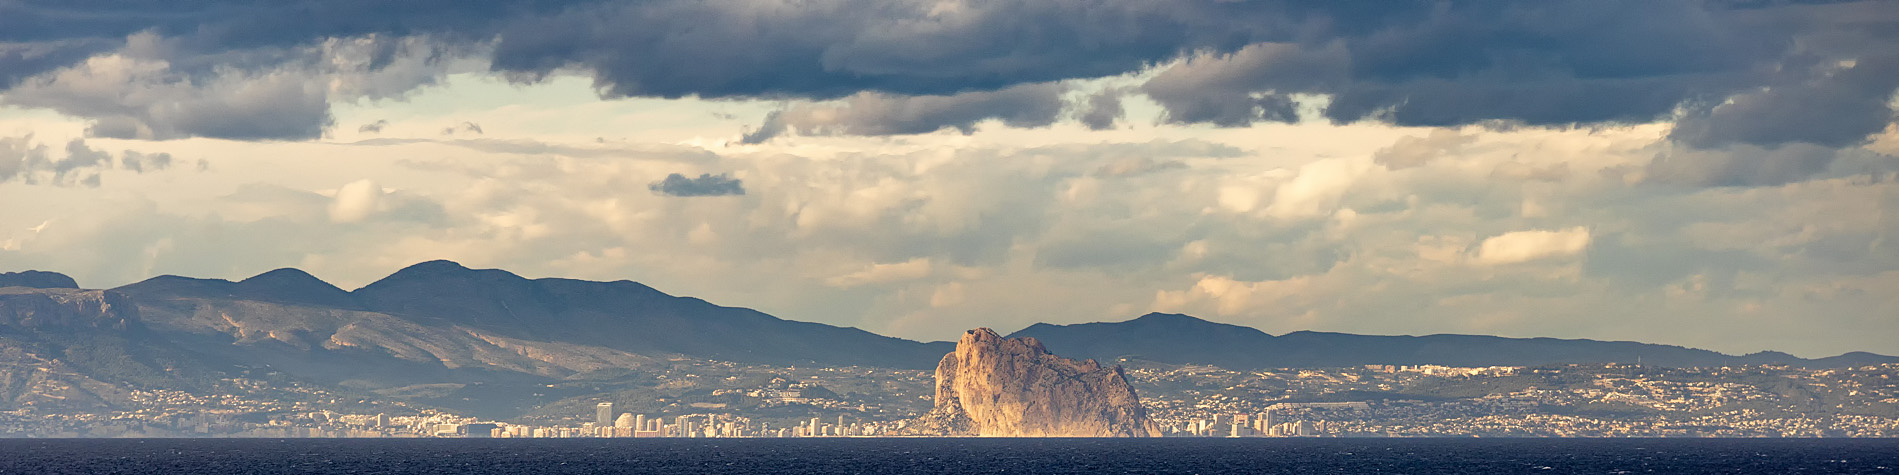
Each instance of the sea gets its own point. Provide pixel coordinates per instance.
(946, 456)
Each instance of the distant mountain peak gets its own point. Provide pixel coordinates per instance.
(622, 314)
(489, 298)
(1186, 322)
(178, 285)
(37, 279)
(292, 285)
(442, 270)
(1151, 321)
(1169, 317)
(432, 268)
(287, 274)
(286, 286)
(436, 266)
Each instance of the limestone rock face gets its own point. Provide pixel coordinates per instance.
(996, 387)
(69, 309)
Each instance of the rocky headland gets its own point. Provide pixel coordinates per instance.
(992, 386)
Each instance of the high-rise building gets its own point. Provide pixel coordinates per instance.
(640, 421)
(626, 421)
(603, 414)
(479, 430)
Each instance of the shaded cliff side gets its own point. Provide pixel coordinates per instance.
(996, 387)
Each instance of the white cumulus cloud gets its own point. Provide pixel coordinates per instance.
(1525, 246)
(355, 201)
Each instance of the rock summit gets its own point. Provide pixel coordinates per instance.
(1013, 387)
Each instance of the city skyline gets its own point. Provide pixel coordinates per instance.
(1655, 402)
(1707, 174)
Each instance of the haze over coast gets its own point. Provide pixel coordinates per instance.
(752, 218)
(442, 345)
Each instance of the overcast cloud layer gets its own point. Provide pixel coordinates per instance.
(1710, 173)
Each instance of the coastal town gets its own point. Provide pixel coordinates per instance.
(1571, 401)
(1604, 400)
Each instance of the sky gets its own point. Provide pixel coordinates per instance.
(1717, 174)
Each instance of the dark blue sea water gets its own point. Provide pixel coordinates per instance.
(746, 456)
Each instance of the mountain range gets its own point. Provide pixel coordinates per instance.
(439, 322)
(1182, 339)
(439, 299)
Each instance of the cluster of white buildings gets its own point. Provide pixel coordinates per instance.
(608, 422)
(1435, 370)
(1271, 423)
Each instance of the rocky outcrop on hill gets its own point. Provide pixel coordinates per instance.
(75, 346)
(326, 344)
(37, 280)
(283, 286)
(57, 308)
(996, 387)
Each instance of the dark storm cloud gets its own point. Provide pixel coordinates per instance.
(228, 25)
(21, 60)
(705, 185)
(1836, 108)
(1101, 110)
(1246, 86)
(1540, 63)
(1764, 93)
(1557, 63)
(277, 106)
(245, 70)
(147, 89)
(834, 48)
(1783, 132)
(1032, 105)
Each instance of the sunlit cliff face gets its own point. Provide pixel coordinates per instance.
(996, 387)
